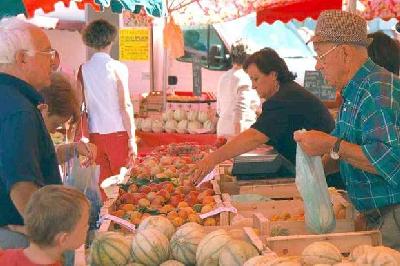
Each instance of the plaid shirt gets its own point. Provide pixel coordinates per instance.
(370, 117)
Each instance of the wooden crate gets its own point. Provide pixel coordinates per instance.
(110, 206)
(278, 207)
(294, 245)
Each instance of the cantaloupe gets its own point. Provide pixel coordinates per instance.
(261, 260)
(184, 243)
(321, 252)
(236, 253)
(191, 224)
(210, 246)
(150, 247)
(159, 223)
(285, 261)
(376, 257)
(172, 263)
(110, 248)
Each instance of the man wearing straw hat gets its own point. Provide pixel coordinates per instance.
(365, 144)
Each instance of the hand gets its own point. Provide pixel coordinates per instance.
(313, 142)
(202, 168)
(89, 150)
(132, 148)
(17, 228)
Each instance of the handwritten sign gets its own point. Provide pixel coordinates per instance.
(315, 83)
(134, 44)
(208, 177)
(122, 222)
(196, 66)
(218, 210)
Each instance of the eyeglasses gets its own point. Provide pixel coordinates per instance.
(51, 52)
(321, 57)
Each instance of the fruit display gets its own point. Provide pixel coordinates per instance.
(178, 121)
(179, 204)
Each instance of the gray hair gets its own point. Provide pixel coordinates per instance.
(15, 35)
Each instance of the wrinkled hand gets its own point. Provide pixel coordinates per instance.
(17, 228)
(89, 150)
(202, 168)
(313, 142)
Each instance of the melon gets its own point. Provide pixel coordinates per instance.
(209, 125)
(170, 126)
(192, 115)
(138, 123)
(157, 126)
(239, 234)
(150, 247)
(236, 253)
(210, 246)
(375, 257)
(110, 248)
(168, 115)
(202, 116)
(261, 260)
(179, 115)
(184, 243)
(159, 223)
(146, 125)
(321, 252)
(285, 261)
(193, 126)
(172, 263)
(182, 127)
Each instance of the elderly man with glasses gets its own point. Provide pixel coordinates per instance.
(365, 144)
(27, 156)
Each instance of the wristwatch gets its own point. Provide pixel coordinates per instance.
(335, 150)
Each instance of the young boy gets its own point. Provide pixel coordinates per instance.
(56, 220)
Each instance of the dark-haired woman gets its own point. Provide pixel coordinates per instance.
(288, 107)
(106, 92)
(384, 51)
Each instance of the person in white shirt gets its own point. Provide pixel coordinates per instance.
(237, 102)
(107, 97)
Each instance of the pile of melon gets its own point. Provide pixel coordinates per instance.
(178, 121)
(158, 242)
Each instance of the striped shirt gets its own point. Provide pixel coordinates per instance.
(369, 117)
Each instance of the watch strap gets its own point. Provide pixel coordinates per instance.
(336, 146)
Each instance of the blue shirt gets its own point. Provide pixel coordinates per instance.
(26, 150)
(370, 118)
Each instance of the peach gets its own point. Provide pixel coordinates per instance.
(144, 202)
(151, 195)
(183, 204)
(144, 189)
(208, 200)
(210, 222)
(133, 188)
(165, 194)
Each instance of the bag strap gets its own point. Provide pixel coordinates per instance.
(80, 79)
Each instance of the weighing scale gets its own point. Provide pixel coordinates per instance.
(262, 163)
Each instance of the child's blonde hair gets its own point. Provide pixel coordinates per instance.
(51, 210)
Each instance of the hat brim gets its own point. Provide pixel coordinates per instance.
(320, 39)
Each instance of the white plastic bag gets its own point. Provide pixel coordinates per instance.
(86, 179)
(311, 183)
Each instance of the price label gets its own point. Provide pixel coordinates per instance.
(217, 211)
(208, 177)
(122, 222)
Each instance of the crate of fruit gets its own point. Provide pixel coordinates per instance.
(285, 216)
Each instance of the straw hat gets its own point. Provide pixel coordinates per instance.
(341, 27)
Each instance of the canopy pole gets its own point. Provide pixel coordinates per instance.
(165, 66)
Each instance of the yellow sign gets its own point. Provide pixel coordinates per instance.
(134, 44)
